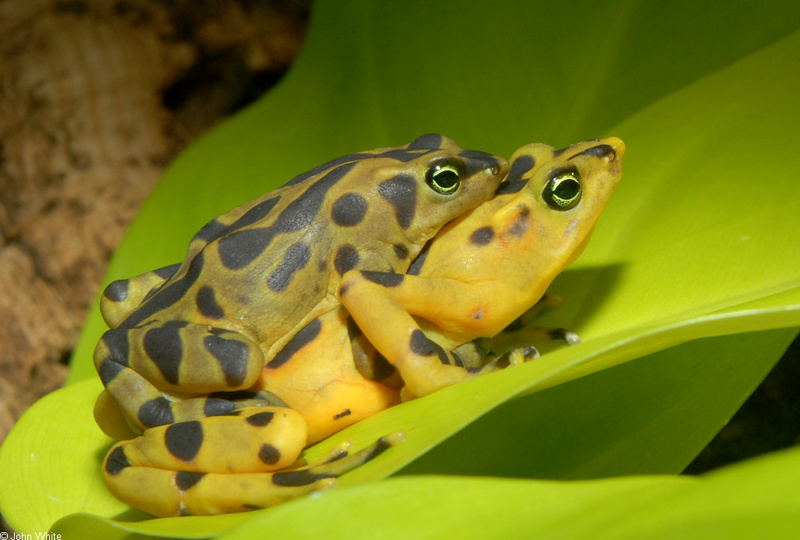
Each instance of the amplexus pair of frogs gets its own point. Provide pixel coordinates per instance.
(372, 279)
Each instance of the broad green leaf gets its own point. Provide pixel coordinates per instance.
(755, 499)
(699, 241)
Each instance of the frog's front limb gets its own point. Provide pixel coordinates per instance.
(225, 464)
(383, 304)
(138, 365)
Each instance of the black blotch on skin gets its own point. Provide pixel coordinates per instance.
(416, 266)
(117, 291)
(329, 165)
(185, 480)
(302, 477)
(108, 371)
(241, 248)
(401, 193)
(423, 346)
(269, 454)
(521, 223)
(300, 340)
(295, 259)
(349, 210)
(207, 303)
(599, 151)
(219, 407)
(381, 446)
(339, 416)
(482, 236)
(165, 347)
(429, 141)
(400, 251)
(514, 182)
(117, 342)
(346, 258)
(168, 295)
(385, 279)
(166, 272)
(260, 419)
(116, 461)
(232, 355)
(301, 212)
(156, 412)
(184, 439)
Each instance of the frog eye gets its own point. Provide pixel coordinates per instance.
(563, 192)
(445, 177)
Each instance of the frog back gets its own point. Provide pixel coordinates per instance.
(270, 266)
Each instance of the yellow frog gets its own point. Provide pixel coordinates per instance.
(477, 277)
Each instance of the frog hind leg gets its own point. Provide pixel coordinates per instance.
(120, 298)
(225, 464)
(138, 365)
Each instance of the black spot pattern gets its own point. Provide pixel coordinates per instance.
(232, 356)
(599, 151)
(346, 258)
(302, 477)
(166, 272)
(416, 266)
(513, 182)
(520, 225)
(185, 480)
(350, 158)
(116, 461)
(401, 251)
(401, 192)
(207, 303)
(429, 141)
(269, 454)
(219, 407)
(215, 229)
(300, 340)
(156, 412)
(108, 371)
(168, 295)
(117, 342)
(295, 259)
(260, 419)
(421, 345)
(184, 439)
(117, 291)
(385, 279)
(349, 210)
(482, 236)
(165, 347)
(339, 416)
(240, 248)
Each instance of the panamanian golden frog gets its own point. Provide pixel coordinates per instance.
(322, 372)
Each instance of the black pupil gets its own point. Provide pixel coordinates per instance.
(445, 179)
(567, 189)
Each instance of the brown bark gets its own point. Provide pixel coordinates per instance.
(96, 97)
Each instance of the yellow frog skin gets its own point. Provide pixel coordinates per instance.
(251, 283)
(478, 276)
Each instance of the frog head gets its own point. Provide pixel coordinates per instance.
(566, 191)
(431, 181)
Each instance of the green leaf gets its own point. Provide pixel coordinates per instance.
(698, 242)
